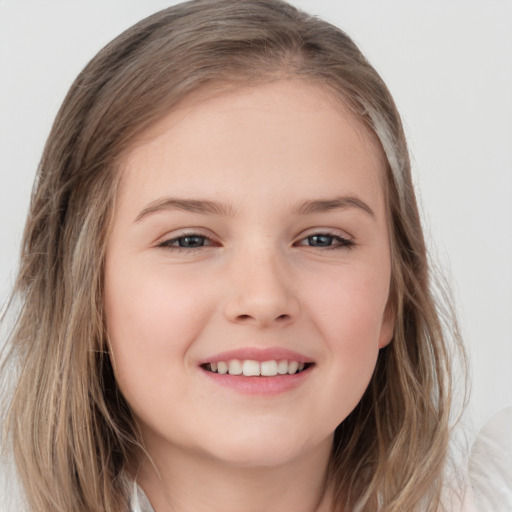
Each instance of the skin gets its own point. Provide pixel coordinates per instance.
(260, 280)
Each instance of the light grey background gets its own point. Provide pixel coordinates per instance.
(448, 64)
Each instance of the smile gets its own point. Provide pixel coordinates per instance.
(258, 371)
(252, 368)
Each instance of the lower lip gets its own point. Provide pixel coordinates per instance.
(267, 386)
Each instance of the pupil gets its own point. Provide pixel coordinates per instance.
(191, 241)
(320, 240)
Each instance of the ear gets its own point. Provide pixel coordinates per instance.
(388, 324)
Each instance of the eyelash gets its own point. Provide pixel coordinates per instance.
(167, 244)
(341, 242)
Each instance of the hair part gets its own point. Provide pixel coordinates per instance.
(73, 435)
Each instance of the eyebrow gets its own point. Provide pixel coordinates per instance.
(338, 203)
(188, 205)
(207, 207)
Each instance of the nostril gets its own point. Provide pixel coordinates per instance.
(280, 318)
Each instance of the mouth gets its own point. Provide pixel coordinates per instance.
(253, 368)
(264, 372)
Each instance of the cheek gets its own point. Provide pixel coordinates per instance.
(350, 306)
(151, 320)
(349, 312)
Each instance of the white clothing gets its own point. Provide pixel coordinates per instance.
(491, 464)
(139, 501)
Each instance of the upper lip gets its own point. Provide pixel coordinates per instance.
(258, 354)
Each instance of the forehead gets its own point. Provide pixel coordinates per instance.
(277, 127)
(313, 97)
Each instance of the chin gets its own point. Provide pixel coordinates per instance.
(255, 457)
(257, 449)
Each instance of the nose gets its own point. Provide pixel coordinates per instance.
(261, 291)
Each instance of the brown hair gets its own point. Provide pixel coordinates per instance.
(71, 431)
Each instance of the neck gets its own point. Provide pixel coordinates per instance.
(185, 482)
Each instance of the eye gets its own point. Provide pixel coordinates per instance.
(325, 240)
(187, 241)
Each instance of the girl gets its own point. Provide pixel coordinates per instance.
(224, 296)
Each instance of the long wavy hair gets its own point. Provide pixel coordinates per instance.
(70, 431)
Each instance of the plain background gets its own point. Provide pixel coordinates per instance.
(448, 64)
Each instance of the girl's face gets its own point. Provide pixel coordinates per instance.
(249, 235)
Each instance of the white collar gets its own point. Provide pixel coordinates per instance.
(139, 501)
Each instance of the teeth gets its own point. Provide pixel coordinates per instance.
(235, 367)
(251, 368)
(293, 366)
(269, 368)
(282, 367)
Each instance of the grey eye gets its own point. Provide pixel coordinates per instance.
(320, 240)
(191, 241)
